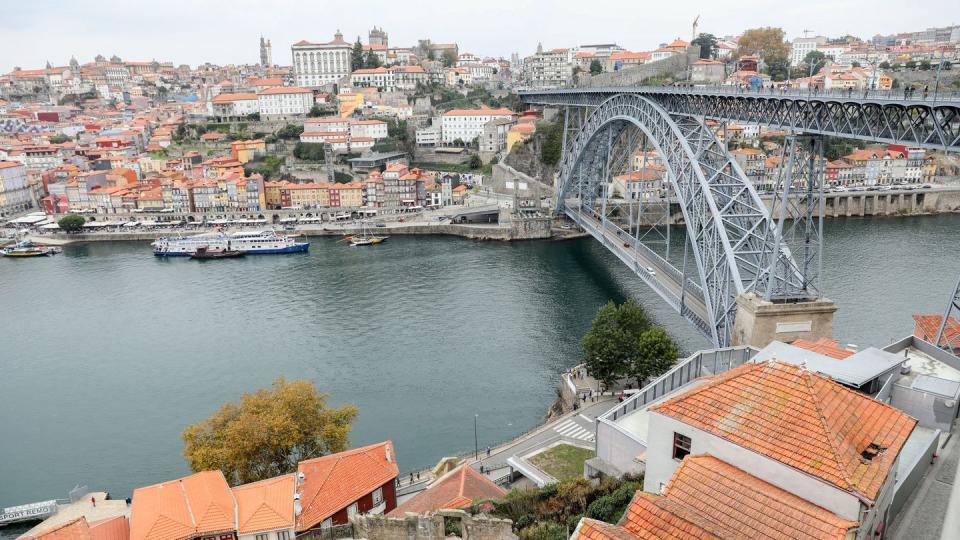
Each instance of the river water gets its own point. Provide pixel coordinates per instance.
(108, 353)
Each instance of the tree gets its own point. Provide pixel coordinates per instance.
(708, 45)
(268, 432)
(372, 61)
(449, 58)
(855, 64)
(778, 68)
(596, 67)
(896, 66)
(475, 162)
(612, 344)
(356, 56)
(813, 62)
(884, 65)
(71, 223)
(656, 354)
(911, 64)
(314, 112)
(767, 43)
(924, 65)
(59, 138)
(290, 131)
(308, 151)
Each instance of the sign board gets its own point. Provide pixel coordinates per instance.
(28, 511)
(803, 326)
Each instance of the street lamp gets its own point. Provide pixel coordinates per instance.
(476, 441)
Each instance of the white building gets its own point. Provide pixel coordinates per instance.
(285, 100)
(14, 188)
(407, 77)
(372, 129)
(467, 124)
(234, 104)
(803, 46)
(429, 136)
(380, 78)
(548, 69)
(319, 64)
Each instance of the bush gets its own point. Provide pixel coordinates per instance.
(475, 162)
(308, 151)
(544, 530)
(610, 507)
(290, 131)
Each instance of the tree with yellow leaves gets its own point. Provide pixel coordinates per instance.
(268, 432)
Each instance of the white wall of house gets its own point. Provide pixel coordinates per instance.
(269, 535)
(660, 466)
(282, 104)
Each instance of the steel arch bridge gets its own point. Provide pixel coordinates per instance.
(734, 245)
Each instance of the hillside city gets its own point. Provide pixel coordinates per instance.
(775, 436)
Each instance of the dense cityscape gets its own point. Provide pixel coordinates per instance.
(702, 382)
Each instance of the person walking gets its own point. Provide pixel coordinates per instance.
(926, 91)
(93, 501)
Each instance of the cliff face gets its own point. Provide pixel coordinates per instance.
(526, 159)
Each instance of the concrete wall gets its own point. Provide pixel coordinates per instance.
(431, 527)
(908, 483)
(660, 466)
(676, 66)
(888, 203)
(931, 410)
(759, 322)
(618, 448)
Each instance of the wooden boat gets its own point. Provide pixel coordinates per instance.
(365, 239)
(204, 252)
(26, 248)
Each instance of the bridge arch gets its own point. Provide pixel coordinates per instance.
(727, 224)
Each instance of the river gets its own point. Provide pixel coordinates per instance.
(108, 353)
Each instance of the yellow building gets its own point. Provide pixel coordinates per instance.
(347, 195)
(244, 151)
(519, 133)
(349, 102)
(271, 192)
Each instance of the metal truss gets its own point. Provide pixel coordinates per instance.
(923, 123)
(953, 310)
(729, 230)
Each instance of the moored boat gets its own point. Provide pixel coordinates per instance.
(249, 242)
(205, 252)
(26, 248)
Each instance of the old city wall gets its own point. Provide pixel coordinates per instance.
(431, 527)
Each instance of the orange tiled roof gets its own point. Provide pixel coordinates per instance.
(457, 489)
(801, 419)
(265, 505)
(655, 517)
(115, 528)
(332, 483)
(71, 530)
(199, 504)
(592, 529)
(285, 90)
(483, 111)
(748, 505)
(926, 327)
(825, 346)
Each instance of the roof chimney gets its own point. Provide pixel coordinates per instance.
(387, 447)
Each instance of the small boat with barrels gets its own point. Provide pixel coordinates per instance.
(207, 252)
(365, 238)
(26, 248)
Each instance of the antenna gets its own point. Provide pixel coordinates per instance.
(695, 27)
(806, 33)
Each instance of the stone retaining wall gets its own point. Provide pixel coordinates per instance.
(431, 526)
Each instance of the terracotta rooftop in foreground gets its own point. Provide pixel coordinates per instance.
(265, 505)
(195, 505)
(804, 420)
(459, 488)
(748, 505)
(116, 528)
(652, 516)
(333, 482)
(926, 328)
(825, 346)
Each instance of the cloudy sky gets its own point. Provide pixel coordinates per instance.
(219, 31)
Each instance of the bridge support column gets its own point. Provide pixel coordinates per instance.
(760, 321)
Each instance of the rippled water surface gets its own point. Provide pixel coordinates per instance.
(107, 353)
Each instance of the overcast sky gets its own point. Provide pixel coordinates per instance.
(197, 31)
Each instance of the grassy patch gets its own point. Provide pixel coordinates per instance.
(563, 462)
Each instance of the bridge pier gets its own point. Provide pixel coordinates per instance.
(759, 321)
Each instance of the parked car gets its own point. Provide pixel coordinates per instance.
(651, 271)
(381, 224)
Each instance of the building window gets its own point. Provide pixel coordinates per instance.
(378, 496)
(262, 536)
(681, 446)
(283, 535)
(352, 510)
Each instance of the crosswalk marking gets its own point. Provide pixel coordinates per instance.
(569, 428)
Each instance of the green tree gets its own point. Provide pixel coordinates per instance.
(855, 64)
(356, 56)
(290, 131)
(372, 60)
(612, 344)
(314, 112)
(475, 162)
(544, 530)
(896, 66)
(778, 68)
(813, 62)
(268, 432)
(911, 64)
(884, 65)
(656, 354)
(767, 43)
(708, 45)
(924, 65)
(308, 151)
(596, 67)
(59, 138)
(550, 151)
(449, 58)
(71, 223)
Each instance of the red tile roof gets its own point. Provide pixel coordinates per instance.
(825, 346)
(653, 516)
(926, 328)
(265, 505)
(748, 505)
(483, 111)
(459, 488)
(804, 420)
(195, 505)
(71, 530)
(591, 529)
(115, 528)
(285, 90)
(332, 483)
